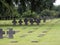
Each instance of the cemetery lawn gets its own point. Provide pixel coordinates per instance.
(31, 35)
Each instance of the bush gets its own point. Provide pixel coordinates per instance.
(29, 14)
(49, 13)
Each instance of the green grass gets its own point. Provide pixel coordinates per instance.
(52, 37)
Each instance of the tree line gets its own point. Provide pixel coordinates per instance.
(10, 9)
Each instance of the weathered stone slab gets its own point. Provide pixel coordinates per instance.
(34, 41)
(45, 31)
(41, 35)
(14, 41)
(30, 31)
(23, 35)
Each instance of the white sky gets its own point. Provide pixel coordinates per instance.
(57, 2)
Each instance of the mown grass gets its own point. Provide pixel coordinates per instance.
(52, 37)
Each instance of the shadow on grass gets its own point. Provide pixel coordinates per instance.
(22, 25)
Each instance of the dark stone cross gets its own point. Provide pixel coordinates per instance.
(1, 33)
(31, 21)
(26, 21)
(14, 22)
(20, 22)
(10, 33)
(37, 21)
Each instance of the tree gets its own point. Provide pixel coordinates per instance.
(5, 8)
(28, 14)
(57, 9)
(49, 13)
(39, 5)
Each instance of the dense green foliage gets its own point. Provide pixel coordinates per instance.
(21, 8)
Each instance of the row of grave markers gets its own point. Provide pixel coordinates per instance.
(26, 20)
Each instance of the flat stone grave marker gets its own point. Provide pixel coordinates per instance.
(45, 31)
(24, 28)
(1, 33)
(30, 31)
(23, 35)
(41, 35)
(14, 41)
(34, 41)
(10, 33)
(35, 28)
(49, 28)
(17, 31)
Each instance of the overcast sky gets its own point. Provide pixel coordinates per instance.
(57, 2)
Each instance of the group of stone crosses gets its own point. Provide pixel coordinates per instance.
(10, 33)
(26, 20)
